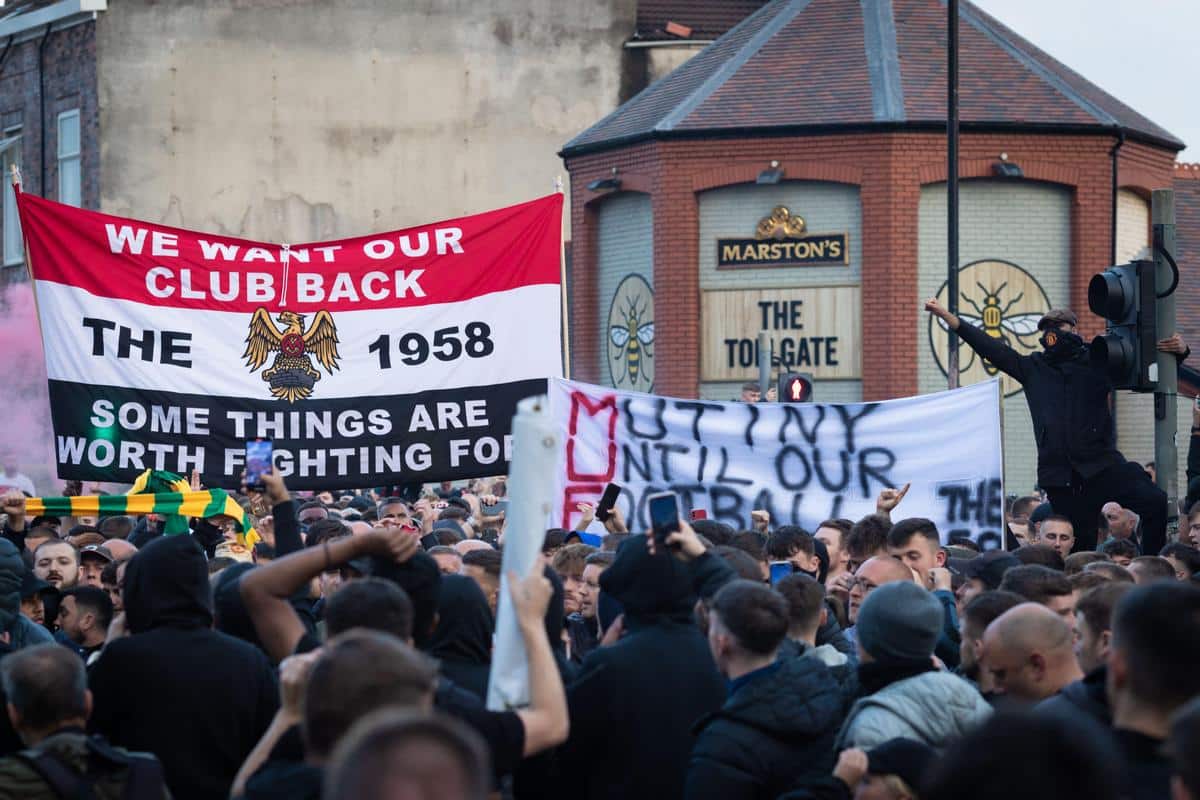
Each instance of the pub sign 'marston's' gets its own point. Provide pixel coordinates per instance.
(781, 239)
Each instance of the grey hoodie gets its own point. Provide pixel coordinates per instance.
(933, 707)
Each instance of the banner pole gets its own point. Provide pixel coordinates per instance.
(562, 283)
(15, 173)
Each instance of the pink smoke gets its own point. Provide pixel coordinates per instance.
(28, 433)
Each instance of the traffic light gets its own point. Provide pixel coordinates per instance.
(1124, 296)
(795, 387)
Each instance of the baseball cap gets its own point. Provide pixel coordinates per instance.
(1057, 316)
(31, 584)
(97, 551)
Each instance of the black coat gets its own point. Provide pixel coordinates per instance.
(635, 703)
(773, 734)
(1087, 697)
(1068, 401)
(197, 699)
(462, 640)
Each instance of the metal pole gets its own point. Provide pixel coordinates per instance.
(1166, 455)
(952, 184)
(764, 363)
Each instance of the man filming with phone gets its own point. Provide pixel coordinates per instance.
(1079, 465)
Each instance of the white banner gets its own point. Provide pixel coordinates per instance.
(802, 462)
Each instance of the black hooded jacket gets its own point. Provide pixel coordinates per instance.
(462, 640)
(772, 735)
(635, 703)
(197, 699)
(1068, 400)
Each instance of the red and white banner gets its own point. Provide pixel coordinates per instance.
(391, 358)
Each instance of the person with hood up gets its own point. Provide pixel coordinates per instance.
(776, 729)
(902, 695)
(197, 699)
(22, 631)
(634, 704)
(462, 640)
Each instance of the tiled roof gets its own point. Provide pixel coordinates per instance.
(708, 19)
(14, 7)
(804, 64)
(1187, 253)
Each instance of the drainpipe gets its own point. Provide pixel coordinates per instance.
(42, 109)
(4, 55)
(1113, 223)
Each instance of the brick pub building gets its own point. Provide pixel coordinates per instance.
(830, 115)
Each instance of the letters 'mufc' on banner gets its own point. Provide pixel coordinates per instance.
(388, 358)
(802, 462)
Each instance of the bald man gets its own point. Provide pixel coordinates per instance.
(873, 573)
(1122, 523)
(467, 545)
(120, 549)
(1028, 650)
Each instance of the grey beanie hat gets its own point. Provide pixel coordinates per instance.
(899, 622)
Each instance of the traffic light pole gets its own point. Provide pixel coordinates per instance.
(1166, 453)
(952, 187)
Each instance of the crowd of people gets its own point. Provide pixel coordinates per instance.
(348, 654)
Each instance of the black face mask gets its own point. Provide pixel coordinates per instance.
(1061, 344)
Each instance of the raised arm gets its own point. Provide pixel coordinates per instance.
(994, 350)
(293, 678)
(13, 505)
(545, 719)
(266, 589)
(283, 515)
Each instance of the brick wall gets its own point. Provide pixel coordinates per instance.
(69, 64)
(889, 169)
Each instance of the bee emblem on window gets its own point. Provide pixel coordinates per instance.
(630, 335)
(996, 321)
(1005, 302)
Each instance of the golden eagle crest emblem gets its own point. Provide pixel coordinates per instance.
(292, 374)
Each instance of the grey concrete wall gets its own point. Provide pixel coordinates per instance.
(295, 120)
(624, 248)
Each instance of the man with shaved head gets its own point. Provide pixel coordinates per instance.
(1122, 523)
(467, 545)
(1028, 651)
(120, 549)
(873, 573)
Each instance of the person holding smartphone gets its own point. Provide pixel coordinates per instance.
(635, 701)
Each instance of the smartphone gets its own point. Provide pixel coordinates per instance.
(258, 461)
(607, 501)
(429, 541)
(664, 516)
(780, 570)
(493, 510)
(699, 513)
